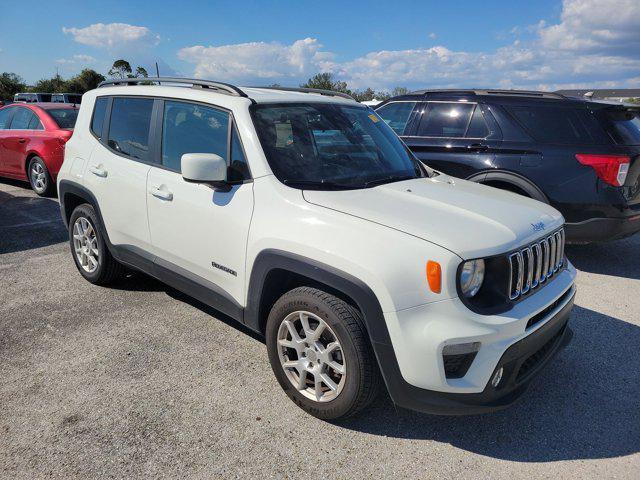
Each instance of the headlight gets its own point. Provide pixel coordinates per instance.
(471, 277)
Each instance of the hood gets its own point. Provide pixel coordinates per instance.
(467, 218)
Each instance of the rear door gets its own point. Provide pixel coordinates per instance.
(118, 167)
(454, 137)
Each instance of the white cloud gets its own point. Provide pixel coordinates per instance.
(433, 35)
(590, 46)
(78, 58)
(258, 60)
(595, 26)
(113, 36)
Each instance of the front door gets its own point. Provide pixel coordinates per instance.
(198, 231)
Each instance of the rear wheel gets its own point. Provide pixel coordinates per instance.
(320, 353)
(90, 253)
(39, 178)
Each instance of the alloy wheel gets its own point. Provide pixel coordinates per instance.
(311, 356)
(38, 177)
(85, 244)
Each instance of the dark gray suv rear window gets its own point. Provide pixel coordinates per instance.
(558, 124)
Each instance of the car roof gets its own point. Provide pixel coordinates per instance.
(51, 105)
(487, 95)
(178, 88)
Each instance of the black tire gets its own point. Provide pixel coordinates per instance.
(47, 187)
(108, 269)
(362, 382)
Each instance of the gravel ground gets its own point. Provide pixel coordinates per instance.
(140, 381)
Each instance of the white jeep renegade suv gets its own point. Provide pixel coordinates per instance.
(302, 215)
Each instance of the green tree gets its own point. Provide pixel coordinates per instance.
(397, 91)
(10, 84)
(121, 69)
(141, 72)
(86, 80)
(325, 81)
(55, 84)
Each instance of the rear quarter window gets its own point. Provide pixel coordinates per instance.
(559, 124)
(99, 111)
(623, 125)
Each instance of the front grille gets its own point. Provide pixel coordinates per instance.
(535, 264)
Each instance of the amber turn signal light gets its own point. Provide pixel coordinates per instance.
(434, 276)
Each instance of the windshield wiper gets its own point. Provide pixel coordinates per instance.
(390, 179)
(318, 184)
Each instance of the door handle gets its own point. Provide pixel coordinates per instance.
(97, 171)
(478, 147)
(161, 194)
(22, 140)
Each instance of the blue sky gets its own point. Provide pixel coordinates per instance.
(493, 43)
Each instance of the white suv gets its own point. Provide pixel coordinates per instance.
(303, 216)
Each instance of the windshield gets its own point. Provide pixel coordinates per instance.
(331, 146)
(64, 117)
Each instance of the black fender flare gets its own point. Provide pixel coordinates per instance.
(69, 187)
(273, 259)
(514, 179)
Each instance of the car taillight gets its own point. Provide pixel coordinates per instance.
(612, 169)
(64, 137)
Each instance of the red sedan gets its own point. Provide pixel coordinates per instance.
(32, 139)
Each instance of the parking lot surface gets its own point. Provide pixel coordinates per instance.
(139, 381)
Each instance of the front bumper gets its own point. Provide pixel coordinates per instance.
(412, 362)
(602, 229)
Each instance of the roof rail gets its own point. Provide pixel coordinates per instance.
(329, 93)
(462, 91)
(221, 87)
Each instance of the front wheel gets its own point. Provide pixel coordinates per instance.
(320, 354)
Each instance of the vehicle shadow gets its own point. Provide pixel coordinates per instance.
(583, 406)
(619, 258)
(28, 222)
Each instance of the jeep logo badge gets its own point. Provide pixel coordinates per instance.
(538, 227)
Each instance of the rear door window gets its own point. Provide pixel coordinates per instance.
(447, 120)
(129, 127)
(397, 115)
(559, 125)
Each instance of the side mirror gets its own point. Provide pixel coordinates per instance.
(204, 168)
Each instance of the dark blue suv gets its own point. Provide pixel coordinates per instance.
(580, 156)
